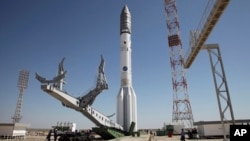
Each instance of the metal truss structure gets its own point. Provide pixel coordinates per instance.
(220, 83)
(182, 111)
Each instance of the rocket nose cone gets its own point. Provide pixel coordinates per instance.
(125, 20)
(125, 9)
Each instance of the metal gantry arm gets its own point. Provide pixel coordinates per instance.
(81, 104)
(101, 85)
(57, 81)
(71, 102)
(211, 16)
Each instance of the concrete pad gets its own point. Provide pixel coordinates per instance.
(159, 138)
(128, 138)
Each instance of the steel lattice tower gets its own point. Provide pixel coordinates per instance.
(182, 111)
(22, 84)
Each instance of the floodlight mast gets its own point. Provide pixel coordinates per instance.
(22, 85)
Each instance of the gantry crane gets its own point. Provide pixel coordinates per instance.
(211, 15)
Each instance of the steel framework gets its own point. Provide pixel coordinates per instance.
(211, 16)
(182, 111)
(22, 84)
(220, 83)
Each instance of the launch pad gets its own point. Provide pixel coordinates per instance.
(126, 99)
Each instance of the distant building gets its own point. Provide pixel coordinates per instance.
(13, 130)
(208, 129)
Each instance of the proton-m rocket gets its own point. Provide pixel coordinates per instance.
(126, 99)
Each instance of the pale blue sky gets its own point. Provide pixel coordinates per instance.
(36, 35)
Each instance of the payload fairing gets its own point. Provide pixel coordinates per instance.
(126, 99)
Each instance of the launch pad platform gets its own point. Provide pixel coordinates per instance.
(128, 138)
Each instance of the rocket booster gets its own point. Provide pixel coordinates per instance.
(126, 99)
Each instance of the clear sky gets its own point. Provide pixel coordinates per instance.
(36, 34)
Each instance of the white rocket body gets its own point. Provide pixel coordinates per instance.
(126, 99)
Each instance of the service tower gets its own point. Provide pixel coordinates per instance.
(126, 99)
